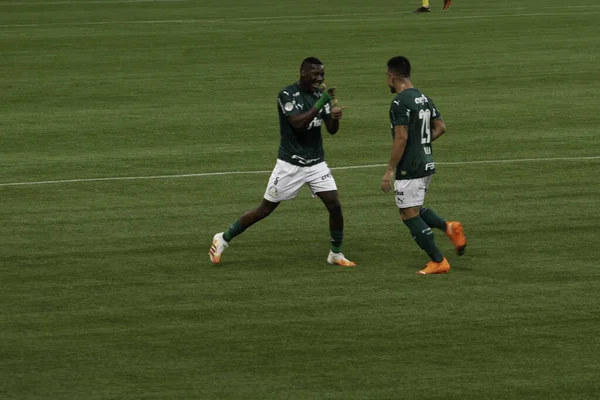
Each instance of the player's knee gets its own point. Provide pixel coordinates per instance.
(263, 212)
(335, 207)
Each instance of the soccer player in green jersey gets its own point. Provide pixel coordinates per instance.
(415, 123)
(303, 106)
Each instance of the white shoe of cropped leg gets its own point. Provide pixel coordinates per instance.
(339, 259)
(219, 244)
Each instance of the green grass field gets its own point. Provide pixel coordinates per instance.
(106, 289)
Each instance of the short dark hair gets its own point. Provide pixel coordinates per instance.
(399, 66)
(310, 61)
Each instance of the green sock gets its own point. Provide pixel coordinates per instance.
(235, 229)
(423, 235)
(336, 240)
(432, 219)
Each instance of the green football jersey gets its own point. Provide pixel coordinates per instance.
(412, 108)
(300, 148)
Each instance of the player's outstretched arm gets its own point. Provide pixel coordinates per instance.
(439, 128)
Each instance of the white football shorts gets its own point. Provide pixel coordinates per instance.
(411, 192)
(287, 179)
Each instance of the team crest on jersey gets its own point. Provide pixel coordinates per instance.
(272, 191)
(288, 107)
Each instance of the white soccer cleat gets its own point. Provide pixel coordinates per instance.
(219, 244)
(339, 259)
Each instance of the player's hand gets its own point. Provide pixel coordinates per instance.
(330, 91)
(336, 111)
(387, 183)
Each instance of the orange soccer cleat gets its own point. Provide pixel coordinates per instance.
(435, 268)
(454, 230)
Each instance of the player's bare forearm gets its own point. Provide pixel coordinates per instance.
(439, 128)
(300, 122)
(436, 134)
(332, 124)
(398, 146)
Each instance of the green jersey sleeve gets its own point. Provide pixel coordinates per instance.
(326, 111)
(399, 113)
(435, 114)
(287, 104)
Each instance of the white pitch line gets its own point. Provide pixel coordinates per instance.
(280, 19)
(207, 174)
(520, 160)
